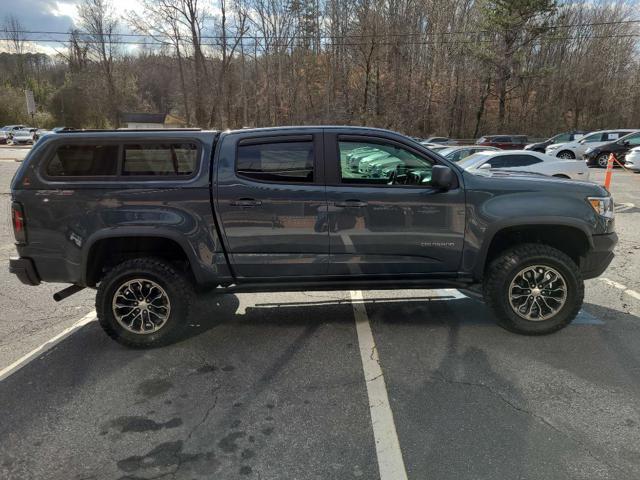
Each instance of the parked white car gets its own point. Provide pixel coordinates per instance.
(23, 136)
(577, 148)
(632, 160)
(526, 161)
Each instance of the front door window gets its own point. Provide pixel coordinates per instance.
(381, 164)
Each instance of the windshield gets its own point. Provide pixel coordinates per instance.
(446, 151)
(473, 160)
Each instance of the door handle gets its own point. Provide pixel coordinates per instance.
(246, 202)
(351, 203)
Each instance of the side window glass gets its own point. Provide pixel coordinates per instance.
(277, 162)
(502, 161)
(83, 161)
(612, 136)
(381, 164)
(160, 159)
(502, 139)
(526, 160)
(594, 138)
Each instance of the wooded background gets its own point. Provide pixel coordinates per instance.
(460, 68)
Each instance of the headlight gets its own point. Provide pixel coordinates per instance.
(589, 150)
(602, 205)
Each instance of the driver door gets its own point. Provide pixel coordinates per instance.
(385, 218)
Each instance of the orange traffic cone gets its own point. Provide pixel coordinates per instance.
(607, 177)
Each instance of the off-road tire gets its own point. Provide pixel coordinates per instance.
(505, 268)
(176, 285)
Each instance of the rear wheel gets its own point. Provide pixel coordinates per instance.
(534, 289)
(143, 302)
(566, 155)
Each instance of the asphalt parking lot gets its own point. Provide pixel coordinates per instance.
(284, 385)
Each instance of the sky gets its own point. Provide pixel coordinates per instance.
(53, 15)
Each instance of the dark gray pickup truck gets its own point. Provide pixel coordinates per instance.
(148, 216)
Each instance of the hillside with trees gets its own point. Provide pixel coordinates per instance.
(460, 68)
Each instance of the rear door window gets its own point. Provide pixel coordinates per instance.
(84, 161)
(502, 140)
(160, 159)
(287, 162)
(513, 161)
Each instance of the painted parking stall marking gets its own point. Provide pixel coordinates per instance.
(390, 462)
(49, 344)
(619, 286)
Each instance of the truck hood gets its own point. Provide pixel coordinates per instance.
(530, 181)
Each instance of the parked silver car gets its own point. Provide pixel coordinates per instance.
(577, 148)
(7, 131)
(632, 160)
(23, 136)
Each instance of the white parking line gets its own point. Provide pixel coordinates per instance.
(52, 342)
(619, 286)
(388, 451)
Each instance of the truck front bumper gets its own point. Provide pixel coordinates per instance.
(25, 270)
(599, 257)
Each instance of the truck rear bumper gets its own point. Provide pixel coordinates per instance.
(596, 261)
(25, 270)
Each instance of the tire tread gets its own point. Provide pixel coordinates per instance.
(159, 267)
(492, 288)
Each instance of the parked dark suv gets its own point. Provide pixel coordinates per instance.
(145, 216)
(599, 156)
(504, 142)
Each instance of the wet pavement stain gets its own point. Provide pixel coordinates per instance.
(247, 453)
(228, 444)
(245, 470)
(207, 368)
(169, 456)
(166, 454)
(267, 431)
(228, 368)
(138, 424)
(154, 387)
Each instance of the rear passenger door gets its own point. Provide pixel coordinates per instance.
(271, 203)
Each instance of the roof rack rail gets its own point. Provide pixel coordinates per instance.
(98, 130)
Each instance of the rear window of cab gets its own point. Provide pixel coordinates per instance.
(158, 160)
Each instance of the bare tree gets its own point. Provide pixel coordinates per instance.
(99, 25)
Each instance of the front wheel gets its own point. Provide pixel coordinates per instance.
(602, 160)
(143, 302)
(534, 289)
(566, 155)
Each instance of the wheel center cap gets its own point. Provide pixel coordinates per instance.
(535, 292)
(143, 305)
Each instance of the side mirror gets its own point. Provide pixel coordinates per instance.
(442, 177)
(485, 166)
